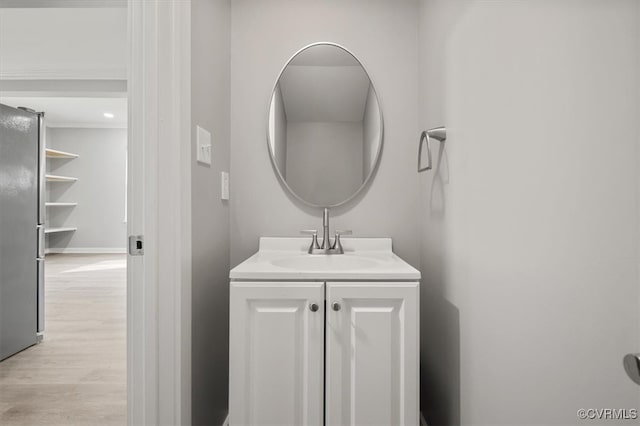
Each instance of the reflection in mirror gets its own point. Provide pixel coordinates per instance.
(325, 125)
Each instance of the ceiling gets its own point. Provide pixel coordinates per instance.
(75, 112)
(63, 3)
(67, 58)
(63, 43)
(324, 93)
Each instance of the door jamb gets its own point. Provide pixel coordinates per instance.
(159, 207)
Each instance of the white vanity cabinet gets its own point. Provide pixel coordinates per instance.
(276, 345)
(372, 353)
(355, 358)
(324, 345)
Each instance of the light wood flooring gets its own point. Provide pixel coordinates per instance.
(77, 375)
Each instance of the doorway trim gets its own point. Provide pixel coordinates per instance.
(159, 207)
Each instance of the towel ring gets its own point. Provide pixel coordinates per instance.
(437, 133)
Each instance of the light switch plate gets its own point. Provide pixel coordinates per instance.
(203, 145)
(224, 185)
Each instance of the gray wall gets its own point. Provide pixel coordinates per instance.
(530, 292)
(210, 216)
(264, 35)
(100, 190)
(529, 225)
(324, 160)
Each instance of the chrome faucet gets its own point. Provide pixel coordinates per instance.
(327, 247)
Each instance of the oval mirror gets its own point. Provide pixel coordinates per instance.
(325, 126)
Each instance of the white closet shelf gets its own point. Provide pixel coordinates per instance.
(53, 230)
(55, 178)
(54, 153)
(60, 204)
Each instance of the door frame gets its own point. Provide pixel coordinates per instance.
(159, 208)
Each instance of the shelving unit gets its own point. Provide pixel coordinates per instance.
(54, 154)
(56, 178)
(49, 204)
(60, 229)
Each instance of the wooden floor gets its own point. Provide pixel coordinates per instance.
(77, 375)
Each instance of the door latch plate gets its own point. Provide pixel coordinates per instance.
(136, 245)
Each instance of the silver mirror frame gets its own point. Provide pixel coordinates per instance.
(381, 142)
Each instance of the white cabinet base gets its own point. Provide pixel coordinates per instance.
(276, 354)
(372, 348)
(355, 363)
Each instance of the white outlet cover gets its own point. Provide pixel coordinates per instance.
(203, 145)
(224, 185)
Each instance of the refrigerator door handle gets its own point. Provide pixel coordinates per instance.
(40, 266)
(40, 229)
(42, 168)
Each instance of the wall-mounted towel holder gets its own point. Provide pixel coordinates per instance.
(437, 133)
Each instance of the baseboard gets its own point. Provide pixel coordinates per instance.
(423, 422)
(86, 250)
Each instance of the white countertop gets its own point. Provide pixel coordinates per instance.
(287, 259)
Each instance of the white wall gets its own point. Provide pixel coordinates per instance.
(264, 35)
(531, 294)
(210, 216)
(100, 190)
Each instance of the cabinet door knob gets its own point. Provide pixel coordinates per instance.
(313, 307)
(336, 306)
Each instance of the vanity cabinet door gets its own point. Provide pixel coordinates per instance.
(276, 354)
(372, 351)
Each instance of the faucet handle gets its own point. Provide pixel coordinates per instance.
(337, 245)
(314, 238)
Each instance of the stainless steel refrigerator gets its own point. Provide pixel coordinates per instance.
(22, 216)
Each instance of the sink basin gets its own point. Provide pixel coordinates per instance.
(323, 262)
(282, 258)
